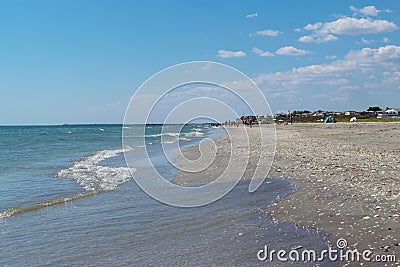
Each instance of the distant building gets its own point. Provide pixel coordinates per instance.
(264, 119)
(393, 111)
(389, 113)
(350, 113)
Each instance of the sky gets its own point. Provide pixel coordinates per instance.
(81, 61)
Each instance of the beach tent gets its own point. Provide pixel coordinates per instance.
(328, 119)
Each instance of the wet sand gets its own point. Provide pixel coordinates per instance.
(347, 178)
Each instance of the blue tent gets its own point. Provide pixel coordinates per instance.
(328, 119)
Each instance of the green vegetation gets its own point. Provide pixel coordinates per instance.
(374, 109)
(301, 112)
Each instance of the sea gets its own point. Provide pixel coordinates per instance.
(67, 198)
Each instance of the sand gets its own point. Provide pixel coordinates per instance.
(347, 177)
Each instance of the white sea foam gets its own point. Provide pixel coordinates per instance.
(5, 214)
(194, 134)
(184, 139)
(155, 135)
(94, 177)
(163, 134)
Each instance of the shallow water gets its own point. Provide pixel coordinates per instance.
(125, 226)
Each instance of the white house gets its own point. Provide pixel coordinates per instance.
(349, 113)
(393, 111)
(390, 113)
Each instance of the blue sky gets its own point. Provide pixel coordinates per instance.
(80, 61)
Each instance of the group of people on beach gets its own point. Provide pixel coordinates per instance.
(245, 120)
(248, 120)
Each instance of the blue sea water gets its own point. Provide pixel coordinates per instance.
(68, 199)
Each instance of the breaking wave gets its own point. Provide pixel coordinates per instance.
(23, 209)
(194, 134)
(93, 177)
(163, 134)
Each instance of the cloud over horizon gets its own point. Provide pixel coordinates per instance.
(355, 71)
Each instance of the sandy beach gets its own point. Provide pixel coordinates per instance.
(346, 175)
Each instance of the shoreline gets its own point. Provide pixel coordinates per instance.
(346, 177)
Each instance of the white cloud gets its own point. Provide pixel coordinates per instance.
(368, 57)
(349, 88)
(330, 57)
(339, 72)
(366, 11)
(315, 39)
(395, 75)
(297, 30)
(354, 26)
(324, 32)
(364, 41)
(312, 27)
(333, 98)
(252, 15)
(392, 77)
(274, 95)
(291, 51)
(306, 39)
(386, 40)
(371, 85)
(272, 33)
(343, 80)
(229, 54)
(262, 53)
